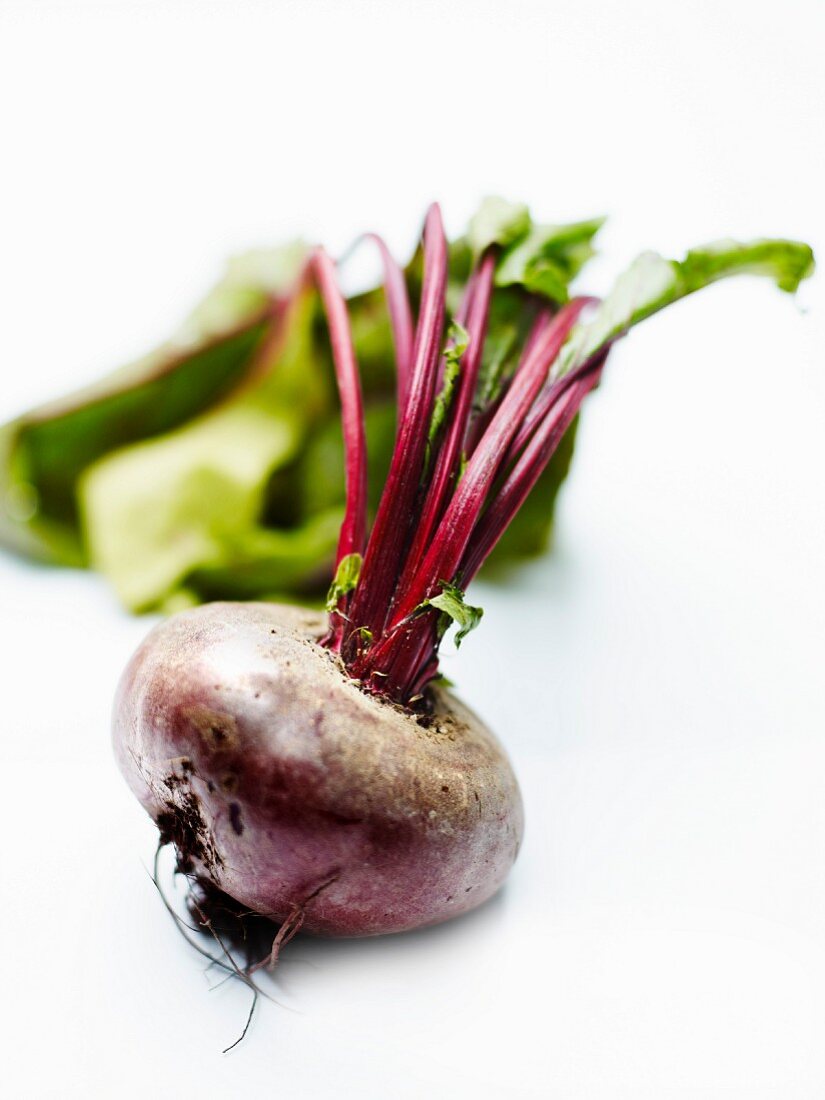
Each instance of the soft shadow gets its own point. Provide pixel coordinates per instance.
(321, 952)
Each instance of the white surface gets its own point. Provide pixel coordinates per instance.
(658, 680)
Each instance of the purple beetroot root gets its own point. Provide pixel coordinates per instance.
(282, 783)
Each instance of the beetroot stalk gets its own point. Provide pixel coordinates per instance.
(354, 527)
(387, 542)
(559, 412)
(455, 529)
(401, 321)
(394, 664)
(446, 465)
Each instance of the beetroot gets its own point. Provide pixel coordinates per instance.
(288, 787)
(316, 771)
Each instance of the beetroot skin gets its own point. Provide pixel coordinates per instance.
(288, 787)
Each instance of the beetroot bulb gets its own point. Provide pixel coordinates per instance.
(314, 769)
(294, 791)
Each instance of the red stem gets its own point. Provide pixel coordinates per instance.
(354, 528)
(474, 315)
(480, 418)
(568, 395)
(372, 598)
(432, 527)
(450, 542)
(398, 304)
(544, 401)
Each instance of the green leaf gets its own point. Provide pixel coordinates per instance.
(451, 603)
(266, 562)
(509, 323)
(497, 221)
(250, 280)
(652, 282)
(786, 262)
(156, 511)
(549, 258)
(345, 579)
(316, 481)
(44, 452)
(457, 341)
(50, 447)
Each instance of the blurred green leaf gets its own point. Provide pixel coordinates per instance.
(156, 511)
(262, 562)
(651, 283)
(547, 260)
(497, 221)
(213, 467)
(43, 453)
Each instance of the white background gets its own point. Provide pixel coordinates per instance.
(658, 680)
